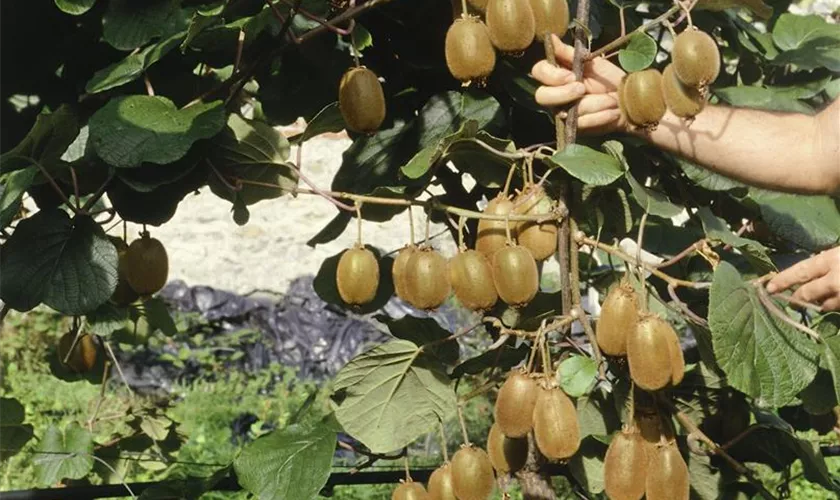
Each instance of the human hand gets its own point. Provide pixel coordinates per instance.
(819, 277)
(598, 93)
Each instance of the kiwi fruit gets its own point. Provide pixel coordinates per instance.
(682, 100)
(479, 5)
(84, 353)
(469, 53)
(696, 58)
(676, 355)
(550, 16)
(472, 280)
(472, 474)
(649, 353)
(426, 279)
(515, 403)
(667, 477)
(507, 454)
(123, 294)
(515, 275)
(361, 100)
(398, 270)
(511, 24)
(625, 466)
(410, 490)
(492, 234)
(540, 238)
(556, 429)
(146, 265)
(440, 484)
(618, 315)
(642, 98)
(357, 275)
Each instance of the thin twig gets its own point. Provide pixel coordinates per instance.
(684, 307)
(771, 307)
(621, 41)
(99, 192)
(119, 369)
(105, 372)
(680, 256)
(150, 91)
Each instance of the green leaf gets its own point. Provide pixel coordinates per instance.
(67, 453)
(134, 129)
(705, 178)
(812, 222)
(132, 67)
(809, 42)
(68, 264)
(504, 358)
(106, 319)
(156, 428)
(14, 434)
(590, 166)
(14, 186)
(597, 414)
(831, 351)
(761, 356)
(45, 142)
(653, 202)
(294, 462)
(833, 89)
(587, 465)
(332, 230)
(717, 230)
(74, 7)
(639, 53)
(762, 98)
(327, 289)
(158, 317)
(446, 113)
(127, 24)
(390, 395)
(158, 205)
(424, 331)
(488, 169)
(327, 120)
(577, 375)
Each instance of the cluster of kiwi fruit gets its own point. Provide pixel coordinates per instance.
(645, 96)
(651, 345)
(511, 26)
(469, 476)
(643, 459)
(142, 270)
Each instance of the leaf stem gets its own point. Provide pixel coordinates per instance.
(773, 309)
(443, 442)
(118, 367)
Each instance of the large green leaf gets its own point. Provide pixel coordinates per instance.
(128, 24)
(650, 200)
(717, 230)
(809, 42)
(14, 185)
(157, 205)
(74, 7)
(705, 178)
(828, 329)
(424, 331)
(390, 395)
(812, 222)
(639, 53)
(327, 120)
(45, 142)
(445, 113)
(488, 169)
(66, 453)
(68, 264)
(762, 98)
(590, 166)
(293, 462)
(587, 465)
(132, 67)
(597, 414)
(761, 356)
(135, 129)
(14, 434)
(106, 319)
(503, 358)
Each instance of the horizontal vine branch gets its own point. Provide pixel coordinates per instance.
(623, 40)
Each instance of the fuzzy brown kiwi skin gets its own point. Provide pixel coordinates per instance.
(440, 484)
(472, 474)
(123, 294)
(427, 279)
(84, 354)
(515, 275)
(479, 5)
(357, 276)
(696, 58)
(643, 100)
(491, 234)
(550, 16)
(398, 271)
(472, 280)
(625, 467)
(556, 429)
(515, 403)
(676, 355)
(682, 100)
(410, 491)
(361, 100)
(147, 265)
(506, 454)
(649, 353)
(511, 24)
(618, 313)
(667, 477)
(469, 52)
(540, 238)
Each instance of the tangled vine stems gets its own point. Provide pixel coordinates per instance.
(623, 40)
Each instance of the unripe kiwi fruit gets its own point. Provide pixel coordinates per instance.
(123, 294)
(357, 275)
(515, 275)
(491, 235)
(540, 238)
(514, 409)
(625, 466)
(642, 98)
(440, 484)
(667, 477)
(649, 353)
(472, 280)
(472, 474)
(147, 265)
(696, 58)
(469, 53)
(619, 314)
(84, 353)
(556, 429)
(682, 100)
(398, 270)
(426, 279)
(507, 454)
(361, 100)
(550, 16)
(511, 24)
(410, 491)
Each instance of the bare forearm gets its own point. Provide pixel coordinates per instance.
(781, 151)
